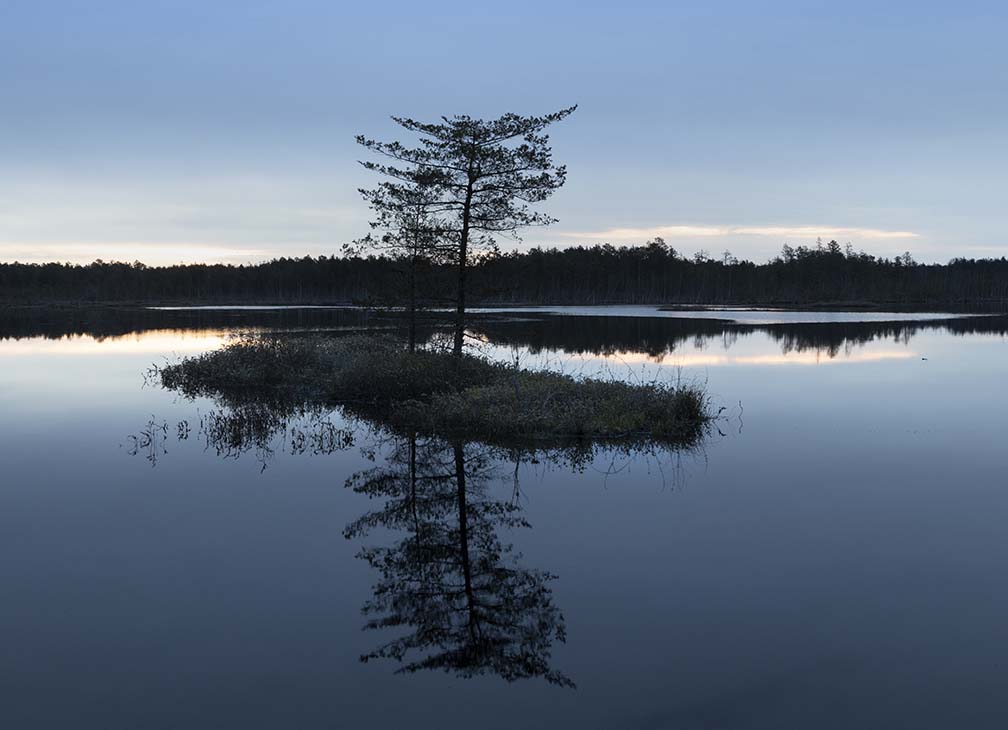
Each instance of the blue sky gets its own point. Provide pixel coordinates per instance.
(166, 131)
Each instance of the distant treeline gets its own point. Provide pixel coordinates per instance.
(650, 274)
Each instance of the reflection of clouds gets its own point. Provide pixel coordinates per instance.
(193, 341)
(815, 358)
(792, 358)
(151, 341)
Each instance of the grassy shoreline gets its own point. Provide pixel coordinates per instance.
(425, 392)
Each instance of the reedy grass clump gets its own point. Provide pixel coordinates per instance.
(247, 362)
(529, 405)
(363, 369)
(427, 392)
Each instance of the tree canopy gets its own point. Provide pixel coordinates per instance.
(483, 178)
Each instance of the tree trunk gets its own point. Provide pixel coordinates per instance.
(460, 303)
(463, 515)
(412, 304)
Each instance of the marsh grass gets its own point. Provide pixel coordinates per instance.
(425, 392)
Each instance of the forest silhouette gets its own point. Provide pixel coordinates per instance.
(649, 274)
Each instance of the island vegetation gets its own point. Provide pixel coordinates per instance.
(424, 392)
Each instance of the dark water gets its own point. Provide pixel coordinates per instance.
(831, 556)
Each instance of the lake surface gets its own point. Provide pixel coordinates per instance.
(832, 555)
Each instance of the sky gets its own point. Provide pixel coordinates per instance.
(224, 131)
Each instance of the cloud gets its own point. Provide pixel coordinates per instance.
(707, 231)
(215, 218)
(152, 254)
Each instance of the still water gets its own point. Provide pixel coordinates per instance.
(832, 554)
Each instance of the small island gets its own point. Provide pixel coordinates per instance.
(433, 393)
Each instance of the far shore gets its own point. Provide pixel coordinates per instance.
(964, 306)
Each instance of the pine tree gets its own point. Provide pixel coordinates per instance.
(487, 176)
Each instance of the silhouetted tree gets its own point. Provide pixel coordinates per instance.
(488, 175)
(405, 228)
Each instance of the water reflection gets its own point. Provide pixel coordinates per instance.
(150, 342)
(451, 594)
(102, 323)
(449, 584)
(450, 591)
(456, 594)
(259, 429)
(655, 339)
(627, 338)
(821, 556)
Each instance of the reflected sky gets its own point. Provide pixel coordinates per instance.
(831, 558)
(159, 342)
(734, 314)
(701, 359)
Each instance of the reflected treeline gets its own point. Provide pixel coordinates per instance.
(455, 594)
(596, 335)
(656, 336)
(103, 322)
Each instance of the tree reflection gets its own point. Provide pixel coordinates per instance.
(450, 592)
(466, 604)
(260, 428)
